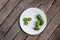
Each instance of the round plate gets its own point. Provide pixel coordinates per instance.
(32, 12)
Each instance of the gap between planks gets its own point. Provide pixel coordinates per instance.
(4, 4)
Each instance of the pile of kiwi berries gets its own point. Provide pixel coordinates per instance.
(38, 23)
(26, 20)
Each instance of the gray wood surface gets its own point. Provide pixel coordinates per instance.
(3, 3)
(7, 9)
(56, 34)
(10, 11)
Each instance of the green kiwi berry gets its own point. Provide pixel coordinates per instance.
(41, 22)
(36, 28)
(39, 17)
(37, 23)
(25, 19)
(29, 19)
(25, 23)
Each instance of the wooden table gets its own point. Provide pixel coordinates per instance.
(10, 10)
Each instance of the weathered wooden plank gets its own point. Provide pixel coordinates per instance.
(7, 9)
(3, 3)
(46, 5)
(49, 17)
(1, 36)
(56, 34)
(21, 35)
(12, 32)
(14, 16)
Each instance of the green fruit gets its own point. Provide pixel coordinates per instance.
(25, 19)
(29, 19)
(25, 22)
(41, 22)
(37, 23)
(39, 17)
(36, 28)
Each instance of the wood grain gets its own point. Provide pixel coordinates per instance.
(56, 34)
(21, 35)
(12, 32)
(1, 36)
(15, 15)
(7, 9)
(3, 3)
(46, 5)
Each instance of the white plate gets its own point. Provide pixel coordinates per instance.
(32, 12)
